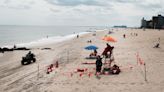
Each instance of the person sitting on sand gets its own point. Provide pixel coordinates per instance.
(115, 69)
(98, 64)
(157, 45)
(94, 53)
(89, 41)
(108, 49)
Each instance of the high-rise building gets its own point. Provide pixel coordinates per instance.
(157, 22)
(143, 23)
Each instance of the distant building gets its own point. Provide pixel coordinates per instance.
(122, 26)
(149, 24)
(157, 22)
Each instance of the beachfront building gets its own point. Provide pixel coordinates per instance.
(143, 23)
(157, 22)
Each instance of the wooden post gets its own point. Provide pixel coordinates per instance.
(159, 40)
(38, 73)
(145, 72)
(67, 56)
(137, 57)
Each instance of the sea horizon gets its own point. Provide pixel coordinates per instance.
(19, 34)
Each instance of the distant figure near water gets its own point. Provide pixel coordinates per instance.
(14, 46)
(77, 36)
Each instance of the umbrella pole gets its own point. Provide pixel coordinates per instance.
(38, 73)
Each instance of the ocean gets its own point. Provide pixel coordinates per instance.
(37, 35)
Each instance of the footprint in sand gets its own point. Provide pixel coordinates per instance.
(76, 89)
(98, 77)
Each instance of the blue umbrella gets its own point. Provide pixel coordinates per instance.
(91, 47)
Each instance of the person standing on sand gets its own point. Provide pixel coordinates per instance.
(98, 64)
(159, 39)
(14, 46)
(124, 35)
(77, 36)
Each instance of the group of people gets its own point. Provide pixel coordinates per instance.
(93, 54)
(133, 34)
(107, 53)
(89, 41)
(114, 69)
(111, 69)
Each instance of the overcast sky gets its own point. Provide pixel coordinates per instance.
(78, 12)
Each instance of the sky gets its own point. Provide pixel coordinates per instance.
(78, 12)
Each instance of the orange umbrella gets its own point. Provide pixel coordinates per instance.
(109, 39)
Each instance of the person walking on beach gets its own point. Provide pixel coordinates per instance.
(14, 46)
(124, 35)
(98, 64)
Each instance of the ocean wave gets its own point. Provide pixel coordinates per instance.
(49, 40)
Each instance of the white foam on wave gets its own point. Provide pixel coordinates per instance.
(50, 40)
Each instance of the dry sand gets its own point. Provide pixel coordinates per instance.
(17, 78)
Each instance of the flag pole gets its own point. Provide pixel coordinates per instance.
(68, 56)
(38, 72)
(145, 72)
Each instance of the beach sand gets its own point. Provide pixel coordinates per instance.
(71, 54)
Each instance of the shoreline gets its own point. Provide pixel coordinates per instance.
(46, 40)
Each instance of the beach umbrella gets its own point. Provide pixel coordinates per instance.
(109, 39)
(91, 47)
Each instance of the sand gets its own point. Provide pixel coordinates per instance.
(71, 54)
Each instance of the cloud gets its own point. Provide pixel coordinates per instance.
(79, 12)
(147, 5)
(77, 2)
(161, 11)
(16, 4)
(125, 1)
